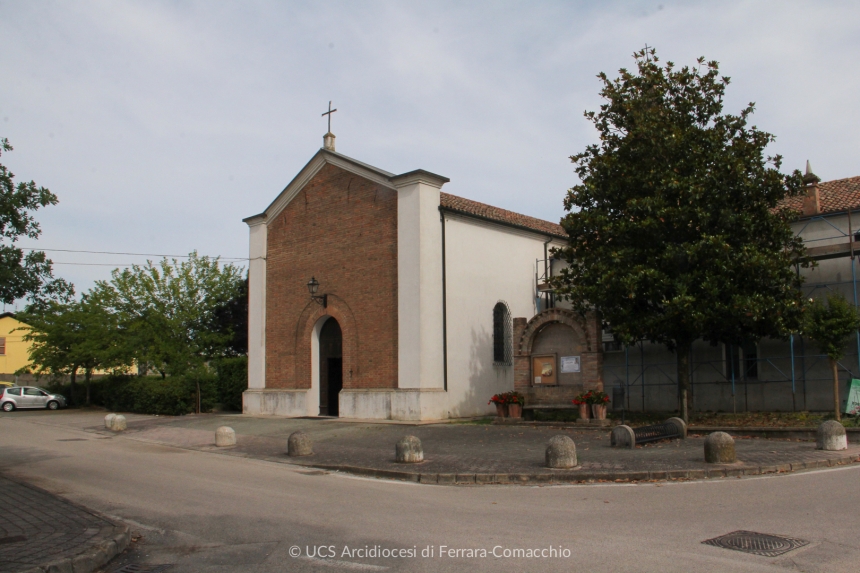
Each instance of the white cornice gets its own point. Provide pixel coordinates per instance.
(419, 176)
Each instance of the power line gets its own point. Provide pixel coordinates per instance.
(96, 264)
(131, 254)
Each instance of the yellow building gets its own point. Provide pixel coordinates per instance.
(14, 352)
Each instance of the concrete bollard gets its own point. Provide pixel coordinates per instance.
(720, 448)
(681, 425)
(622, 437)
(831, 437)
(561, 452)
(225, 436)
(119, 423)
(299, 444)
(109, 420)
(409, 450)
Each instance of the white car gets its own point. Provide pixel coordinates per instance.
(29, 397)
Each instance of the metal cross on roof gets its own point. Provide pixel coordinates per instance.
(328, 113)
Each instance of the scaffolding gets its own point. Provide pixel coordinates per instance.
(796, 371)
(791, 370)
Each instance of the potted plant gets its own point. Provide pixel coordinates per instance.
(598, 401)
(500, 400)
(582, 400)
(514, 401)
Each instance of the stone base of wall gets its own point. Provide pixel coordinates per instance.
(399, 404)
(275, 402)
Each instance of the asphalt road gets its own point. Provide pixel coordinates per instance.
(206, 512)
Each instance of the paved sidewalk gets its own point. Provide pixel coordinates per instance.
(41, 532)
(473, 453)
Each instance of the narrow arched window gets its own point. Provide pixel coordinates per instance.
(502, 334)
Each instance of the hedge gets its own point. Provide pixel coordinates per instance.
(171, 396)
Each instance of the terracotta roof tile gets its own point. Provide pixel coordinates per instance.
(835, 196)
(469, 207)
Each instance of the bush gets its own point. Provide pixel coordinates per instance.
(171, 396)
(232, 381)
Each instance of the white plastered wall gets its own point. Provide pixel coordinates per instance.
(313, 400)
(257, 305)
(419, 281)
(485, 263)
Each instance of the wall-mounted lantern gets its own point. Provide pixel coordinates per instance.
(313, 287)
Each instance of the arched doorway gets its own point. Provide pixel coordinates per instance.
(330, 367)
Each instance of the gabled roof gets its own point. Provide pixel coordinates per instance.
(489, 213)
(835, 196)
(448, 202)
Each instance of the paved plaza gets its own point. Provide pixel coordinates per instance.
(468, 453)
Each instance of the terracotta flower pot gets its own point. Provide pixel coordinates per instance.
(501, 410)
(515, 410)
(583, 411)
(599, 411)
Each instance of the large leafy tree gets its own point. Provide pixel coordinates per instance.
(24, 275)
(231, 319)
(167, 311)
(72, 337)
(675, 229)
(829, 325)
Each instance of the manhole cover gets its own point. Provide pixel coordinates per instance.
(757, 543)
(138, 568)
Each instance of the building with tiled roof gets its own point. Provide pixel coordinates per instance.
(467, 207)
(377, 295)
(829, 197)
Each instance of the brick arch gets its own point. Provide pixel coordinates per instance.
(552, 316)
(340, 311)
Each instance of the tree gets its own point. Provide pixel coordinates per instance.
(69, 337)
(829, 326)
(231, 319)
(675, 230)
(24, 276)
(167, 312)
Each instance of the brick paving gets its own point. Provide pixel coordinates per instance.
(37, 528)
(470, 453)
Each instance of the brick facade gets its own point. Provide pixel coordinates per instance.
(543, 331)
(341, 229)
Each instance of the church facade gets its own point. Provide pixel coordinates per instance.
(375, 295)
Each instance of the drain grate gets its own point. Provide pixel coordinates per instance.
(757, 543)
(73, 440)
(138, 568)
(15, 539)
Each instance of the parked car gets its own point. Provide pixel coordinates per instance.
(29, 397)
(3, 384)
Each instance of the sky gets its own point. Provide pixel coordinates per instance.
(161, 125)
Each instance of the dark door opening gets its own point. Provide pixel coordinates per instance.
(331, 367)
(335, 384)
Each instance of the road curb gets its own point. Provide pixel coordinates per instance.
(92, 558)
(584, 477)
(113, 540)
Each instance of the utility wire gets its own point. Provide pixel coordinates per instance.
(96, 264)
(132, 254)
